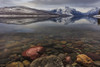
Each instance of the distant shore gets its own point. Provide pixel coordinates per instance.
(34, 16)
(97, 16)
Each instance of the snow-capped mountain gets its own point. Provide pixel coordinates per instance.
(72, 11)
(67, 11)
(92, 12)
(23, 10)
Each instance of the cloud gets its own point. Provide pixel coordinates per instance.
(11, 2)
(6, 2)
(52, 3)
(67, 2)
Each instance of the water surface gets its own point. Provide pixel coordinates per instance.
(18, 34)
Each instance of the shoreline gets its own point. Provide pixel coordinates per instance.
(27, 16)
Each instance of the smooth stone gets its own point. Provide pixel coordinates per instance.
(58, 46)
(15, 64)
(33, 52)
(62, 56)
(63, 42)
(93, 56)
(97, 63)
(69, 65)
(26, 63)
(74, 64)
(48, 61)
(50, 65)
(68, 59)
(84, 60)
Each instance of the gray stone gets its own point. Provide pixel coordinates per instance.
(62, 56)
(48, 61)
(69, 65)
(97, 63)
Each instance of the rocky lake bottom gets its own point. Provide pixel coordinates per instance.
(50, 44)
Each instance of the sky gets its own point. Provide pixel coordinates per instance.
(81, 5)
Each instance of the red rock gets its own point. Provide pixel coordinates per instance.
(33, 52)
(68, 59)
(63, 45)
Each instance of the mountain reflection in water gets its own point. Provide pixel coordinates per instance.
(63, 20)
(33, 24)
(18, 34)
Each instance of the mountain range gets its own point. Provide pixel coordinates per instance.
(21, 11)
(94, 11)
(67, 11)
(74, 12)
(26, 11)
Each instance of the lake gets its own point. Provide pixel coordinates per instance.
(72, 35)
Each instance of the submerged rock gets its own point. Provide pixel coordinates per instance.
(15, 64)
(63, 42)
(74, 64)
(84, 60)
(62, 56)
(58, 46)
(2, 65)
(79, 42)
(69, 65)
(33, 53)
(93, 56)
(48, 61)
(26, 63)
(68, 50)
(68, 59)
(97, 63)
(52, 51)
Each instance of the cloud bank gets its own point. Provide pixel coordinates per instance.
(75, 3)
(81, 3)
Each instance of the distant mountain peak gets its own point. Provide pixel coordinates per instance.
(94, 11)
(67, 10)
